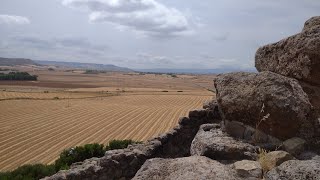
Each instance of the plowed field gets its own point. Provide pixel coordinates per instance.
(37, 129)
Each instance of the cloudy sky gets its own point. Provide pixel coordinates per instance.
(198, 34)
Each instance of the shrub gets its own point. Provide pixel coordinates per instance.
(29, 172)
(92, 72)
(56, 98)
(120, 144)
(66, 158)
(77, 154)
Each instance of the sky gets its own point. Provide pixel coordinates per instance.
(147, 34)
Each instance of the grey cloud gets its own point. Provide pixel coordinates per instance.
(147, 16)
(15, 20)
(220, 37)
(76, 47)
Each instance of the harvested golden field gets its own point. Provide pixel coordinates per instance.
(36, 131)
(39, 119)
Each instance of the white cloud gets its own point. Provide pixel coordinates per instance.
(9, 19)
(148, 16)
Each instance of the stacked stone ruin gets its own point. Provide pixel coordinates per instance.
(262, 125)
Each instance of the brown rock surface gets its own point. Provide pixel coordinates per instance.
(248, 97)
(297, 56)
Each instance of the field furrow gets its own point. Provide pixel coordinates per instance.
(36, 131)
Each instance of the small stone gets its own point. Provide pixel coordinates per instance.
(294, 146)
(248, 169)
(274, 159)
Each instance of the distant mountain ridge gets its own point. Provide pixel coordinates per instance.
(196, 71)
(16, 61)
(91, 66)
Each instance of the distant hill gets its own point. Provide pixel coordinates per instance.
(16, 61)
(196, 71)
(91, 66)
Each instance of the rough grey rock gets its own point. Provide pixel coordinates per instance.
(249, 97)
(297, 56)
(313, 22)
(248, 169)
(294, 146)
(208, 104)
(309, 155)
(235, 129)
(188, 168)
(213, 110)
(212, 142)
(295, 170)
(274, 159)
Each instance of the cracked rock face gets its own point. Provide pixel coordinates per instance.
(188, 168)
(249, 97)
(212, 142)
(297, 56)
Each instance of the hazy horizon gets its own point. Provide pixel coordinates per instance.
(149, 34)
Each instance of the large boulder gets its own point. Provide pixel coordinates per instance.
(295, 170)
(297, 56)
(212, 142)
(276, 104)
(188, 168)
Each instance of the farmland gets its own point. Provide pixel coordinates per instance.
(66, 109)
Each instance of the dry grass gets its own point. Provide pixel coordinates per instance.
(262, 159)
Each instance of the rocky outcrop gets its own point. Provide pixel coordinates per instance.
(258, 112)
(188, 168)
(295, 170)
(297, 56)
(212, 142)
(276, 103)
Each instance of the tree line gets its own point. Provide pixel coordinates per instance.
(18, 76)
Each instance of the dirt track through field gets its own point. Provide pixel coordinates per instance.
(34, 131)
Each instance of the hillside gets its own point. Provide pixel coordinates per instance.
(16, 62)
(91, 66)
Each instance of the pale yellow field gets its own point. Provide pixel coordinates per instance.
(39, 119)
(36, 131)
